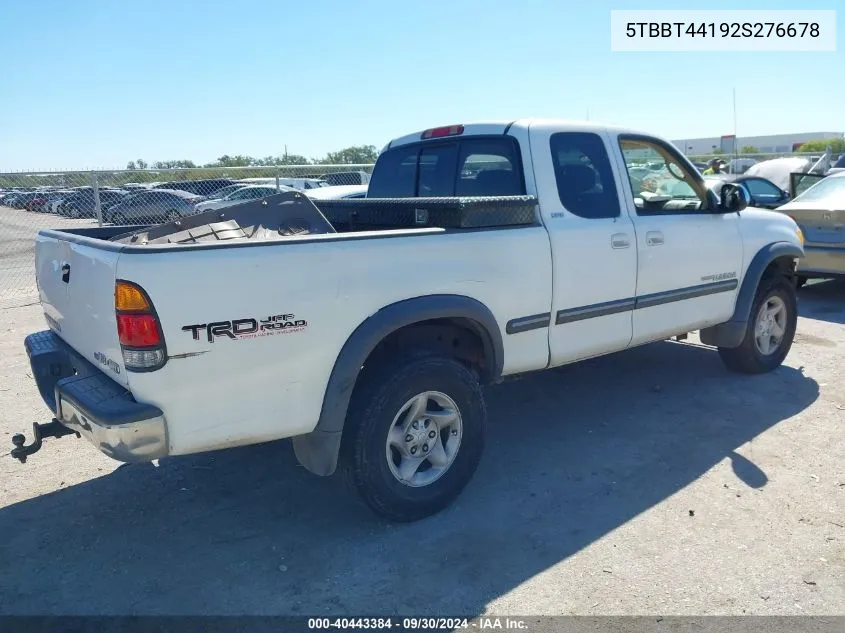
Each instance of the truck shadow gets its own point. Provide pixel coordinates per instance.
(572, 454)
(823, 300)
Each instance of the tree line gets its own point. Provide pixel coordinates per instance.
(355, 155)
(837, 146)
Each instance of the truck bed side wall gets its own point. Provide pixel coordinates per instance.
(262, 386)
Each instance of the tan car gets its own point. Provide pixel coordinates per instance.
(820, 212)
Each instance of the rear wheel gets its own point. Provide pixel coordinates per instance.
(770, 329)
(173, 215)
(118, 218)
(414, 436)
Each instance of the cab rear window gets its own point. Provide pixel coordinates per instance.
(475, 166)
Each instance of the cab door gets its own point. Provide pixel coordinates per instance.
(594, 254)
(689, 255)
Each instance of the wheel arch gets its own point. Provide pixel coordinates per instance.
(776, 257)
(318, 450)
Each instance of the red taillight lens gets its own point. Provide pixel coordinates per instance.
(438, 132)
(138, 330)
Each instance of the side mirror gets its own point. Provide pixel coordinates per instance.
(732, 198)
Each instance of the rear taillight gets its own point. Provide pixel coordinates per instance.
(138, 329)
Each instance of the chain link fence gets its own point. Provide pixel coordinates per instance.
(31, 201)
(37, 200)
(739, 163)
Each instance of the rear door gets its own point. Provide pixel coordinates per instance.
(76, 287)
(594, 251)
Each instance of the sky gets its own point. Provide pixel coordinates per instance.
(90, 84)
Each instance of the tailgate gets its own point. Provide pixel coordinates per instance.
(76, 289)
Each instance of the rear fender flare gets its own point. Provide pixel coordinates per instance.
(318, 450)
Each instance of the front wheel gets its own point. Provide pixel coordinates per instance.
(770, 329)
(414, 436)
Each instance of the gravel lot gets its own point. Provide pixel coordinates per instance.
(651, 481)
(17, 268)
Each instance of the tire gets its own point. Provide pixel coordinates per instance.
(173, 215)
(118, 219)
(370, 463)
(750, 357)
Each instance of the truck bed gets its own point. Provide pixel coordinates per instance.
(294, 214)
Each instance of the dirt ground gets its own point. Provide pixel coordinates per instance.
(648, 482)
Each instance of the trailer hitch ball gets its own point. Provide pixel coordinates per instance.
(18, 440)
(39, 432)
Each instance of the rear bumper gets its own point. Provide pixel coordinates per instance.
(822, 261)
(84, 399)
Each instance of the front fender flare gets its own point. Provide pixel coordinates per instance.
(318, 451)
(731, 333)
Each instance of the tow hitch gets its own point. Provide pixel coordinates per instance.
(39, 432)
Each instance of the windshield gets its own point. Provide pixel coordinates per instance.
(225, 191)
(829, 192)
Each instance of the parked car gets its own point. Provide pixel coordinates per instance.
(20, 201)
(8, 198)
(82, 203)
(838, 166)
(338, 178)
(761, 192)
(778, 170)
(207, 187)
(37, 202)
(225, 191)
(245, 333)
(244, 194)
(338, 192)
(820, 212)
(157, 205)
(296, 183)
(55, 199)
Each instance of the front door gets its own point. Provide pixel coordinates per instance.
(594, 254)
(689, 257)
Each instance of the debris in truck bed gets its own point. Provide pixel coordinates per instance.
(281, 215)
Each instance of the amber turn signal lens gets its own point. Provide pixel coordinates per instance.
(129, 298)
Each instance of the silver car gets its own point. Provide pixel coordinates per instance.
(820, 212)
(156, 205)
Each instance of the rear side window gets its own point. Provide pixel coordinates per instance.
(489, 168)
(584, 177)
(466, 167)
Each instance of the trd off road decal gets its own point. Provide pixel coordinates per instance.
(247, 328)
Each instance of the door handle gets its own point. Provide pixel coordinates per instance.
(654, 238)
(619, 240)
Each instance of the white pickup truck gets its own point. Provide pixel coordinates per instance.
(365, 330)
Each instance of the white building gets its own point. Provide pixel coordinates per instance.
(776, 143)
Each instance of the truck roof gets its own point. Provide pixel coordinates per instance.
(501, 126)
